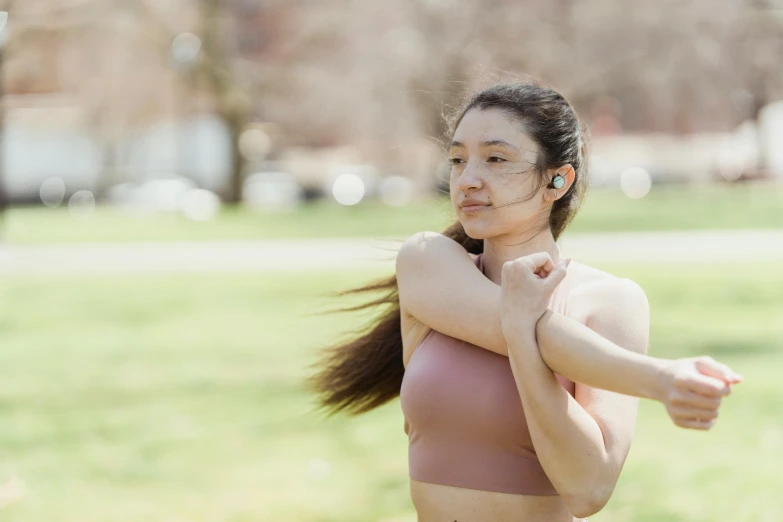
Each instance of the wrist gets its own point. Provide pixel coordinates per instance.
(519, 331)
(659, 379)
(520, 336)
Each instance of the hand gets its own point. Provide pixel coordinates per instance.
(526, 288)
(692, 390)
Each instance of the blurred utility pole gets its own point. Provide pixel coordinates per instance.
(3, 40)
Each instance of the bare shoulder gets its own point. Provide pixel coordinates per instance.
(615, 307)
(420, 240)
(595, 292)
(420, 251)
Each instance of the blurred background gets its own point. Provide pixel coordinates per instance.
(184, 183)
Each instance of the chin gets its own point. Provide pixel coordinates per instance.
(476, 231)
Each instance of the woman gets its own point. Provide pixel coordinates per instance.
(518, 373)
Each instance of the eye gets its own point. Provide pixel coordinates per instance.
(455, 161)
(496, 158)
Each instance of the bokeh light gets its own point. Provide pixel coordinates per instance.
(165, 194)
(731, 164)
(52, 192)
(635, 182)
(254, 144)
(185, 48)
(199, 205)
(348, 189)
(82, 205)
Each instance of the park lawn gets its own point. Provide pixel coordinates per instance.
(179, 398)
(666, 207)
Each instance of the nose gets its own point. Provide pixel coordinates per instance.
(470, 178)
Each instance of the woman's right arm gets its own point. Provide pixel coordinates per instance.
(441, 287)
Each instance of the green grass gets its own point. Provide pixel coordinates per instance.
(666, 207)
(179, 398)
(674, 207)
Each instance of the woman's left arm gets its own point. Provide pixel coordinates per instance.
(581, 441)
(428, 264)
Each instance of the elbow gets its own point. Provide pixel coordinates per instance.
(587, 504)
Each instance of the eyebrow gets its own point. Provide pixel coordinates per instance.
(487, 144)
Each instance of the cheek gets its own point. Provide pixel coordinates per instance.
(454, 187)
(515, 188)
(505, 189)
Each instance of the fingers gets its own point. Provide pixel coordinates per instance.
(555, 276)
(695, 413)
(695, 398)
(689, 399)
(696, 424)
(541, 265)
(537, 261)
(709, 366)
(706, 385)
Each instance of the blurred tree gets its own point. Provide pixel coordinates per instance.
(213, 69)
(233, 102)
(376, 75)
(762, 36)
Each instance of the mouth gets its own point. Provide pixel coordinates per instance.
(473, 208)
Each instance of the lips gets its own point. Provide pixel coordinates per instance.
(473, 208)
(473, 203)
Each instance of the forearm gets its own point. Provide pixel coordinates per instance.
(571, 349)
(568, 441)
(576, 352)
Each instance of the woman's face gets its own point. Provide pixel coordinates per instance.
(492, 161)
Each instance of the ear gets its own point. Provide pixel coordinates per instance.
(567, 173)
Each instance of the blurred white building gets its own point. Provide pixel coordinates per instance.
(48, 136)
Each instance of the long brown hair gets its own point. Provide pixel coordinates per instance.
(367, 372)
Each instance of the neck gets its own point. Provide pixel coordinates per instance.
(498, 250)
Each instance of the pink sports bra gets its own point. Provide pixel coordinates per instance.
(464, 417)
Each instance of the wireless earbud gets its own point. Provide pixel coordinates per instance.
(558, 182)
